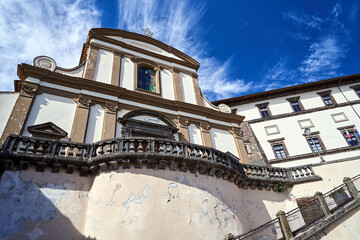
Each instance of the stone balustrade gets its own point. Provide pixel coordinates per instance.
(18, 152)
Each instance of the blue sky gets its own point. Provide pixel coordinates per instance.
(242, 46)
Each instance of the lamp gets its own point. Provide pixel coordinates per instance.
(307, 132)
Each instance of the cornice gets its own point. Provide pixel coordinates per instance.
(312, 86)
(25, 71)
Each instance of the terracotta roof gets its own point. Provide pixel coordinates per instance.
(291, 90)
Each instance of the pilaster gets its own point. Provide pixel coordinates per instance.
(197, 91)
(20, 111)
(91, 62)
(240, 145)
(79, 126)
(284, 225)
(184, 130)
(115, 76)
(177, 85)
(109, 124)
(205, 133)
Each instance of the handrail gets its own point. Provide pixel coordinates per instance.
(177, 154)
(239, 237)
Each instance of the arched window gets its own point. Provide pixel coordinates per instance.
(147, 75)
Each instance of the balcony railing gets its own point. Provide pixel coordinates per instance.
(18, 152)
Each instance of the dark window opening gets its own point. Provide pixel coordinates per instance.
(146, 79)
(296, 106)
(315, 145)
(279, 151)
(327, 100)
(264, 112)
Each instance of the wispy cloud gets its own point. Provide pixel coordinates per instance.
(300, 18)
(326, 48)
(324, 59)
(32, 28)
(177, 23)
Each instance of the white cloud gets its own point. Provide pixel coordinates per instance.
(310, 21)
(176, 23)
(323, 60)
(32, 28)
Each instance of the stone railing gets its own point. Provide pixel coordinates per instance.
(18, 152)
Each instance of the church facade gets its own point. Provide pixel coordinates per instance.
(126, 145)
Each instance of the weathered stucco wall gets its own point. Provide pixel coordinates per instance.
(37, 205)
(7, 102)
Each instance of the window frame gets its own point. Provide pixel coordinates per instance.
(325, 94)
(356, 89)
(351, 130)
(144, 63)
(277, 142)
(317, 136)
(264, 105)
(295, 99)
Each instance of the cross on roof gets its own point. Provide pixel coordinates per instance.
(147, 32)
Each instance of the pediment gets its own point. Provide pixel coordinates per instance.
(143, 42)
(47, 130)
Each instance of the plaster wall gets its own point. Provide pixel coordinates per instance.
(167, 85)
(223, 141)
(349, 92)
(7, 102)
(44, 205)
(127, 73)
(148, 204)
(194, 134)
(51, 108)
(95, 124)
(104, 64)
(74, 73)
(120, 114)
(188, 91)
(332, 175)
(292, 132)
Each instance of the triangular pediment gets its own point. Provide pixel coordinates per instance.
(47, 130)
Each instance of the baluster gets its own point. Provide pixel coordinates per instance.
(140, 147)
(109, 148)
(78, 151)
(62, 150)
(24, 146)
(192, 151)
(132, 146)
(198, 152)
(168, 148)
(71, 150)
(161, 147)
(175, 149)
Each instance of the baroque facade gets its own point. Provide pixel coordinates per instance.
(126, 145)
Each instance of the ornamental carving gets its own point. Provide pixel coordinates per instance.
(237, 133)
(224, 108)
(203, 126)
(184, 123)
(83, 102)
(45, 62)
(28, 90)
(110, 108)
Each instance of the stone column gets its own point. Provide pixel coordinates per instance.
(20, 111)
(91, 62)
(240, 145)
(183, 130)
(115, 76)
(322, 203)
(79, 126)
(284, 225)
(197, 91)
(109, 124)
(351, 187)
(177, 84)
(205, 134)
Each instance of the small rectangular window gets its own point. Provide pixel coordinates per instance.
(315, 144)
(357, 91)
(327, 100)
(279, 151)
(351, 137)
(296, 106)
(264, 112)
